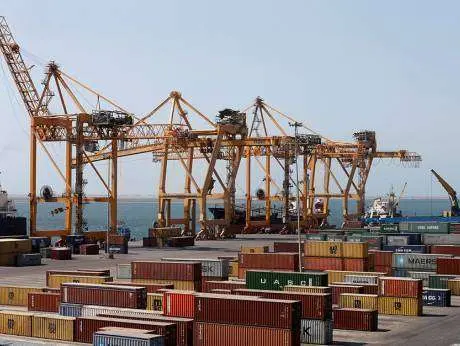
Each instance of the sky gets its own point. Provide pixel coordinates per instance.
(337, 66)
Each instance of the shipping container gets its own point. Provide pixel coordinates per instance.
(13, 295)
(287, 247)
(371, 258)
(383, 269)
(89, 249)
(106, 295)
(382, 258)
(355, 249)
(209, 267)
(279, 260)
(323, 263)
(400, 287)
(124, 271)
(428, 227)
(401, 306)
(177, 284)
(179, 303)
(61, 253)
(55, 280)
(441, 239)
(155, 301)
(233, 269)
(339, 276)
(314, 305)
(255, 249)
(10, 246)
(361, 279)
(150, 287)
(454, 286)
(397, 240)
(373, 242)
(85, 327)
(337, 290)
(424, 276)
(213, 334)
(436, 297)
(44, 301)
(319, 236)
(276, 280)
(411, 261)
(16, 323)
(448, 265)
(414, 238)
(28, 259)
(406, 248)
(72, 310)
(182, 271)
(307, 289)
(336, 237)
(446, 249)
(79, 272)
(359, 301)
(260, 312)
(316, 332)
(53, 327)
(366, 288)
(356, 319)
(225, 285)
(323, 248)
(128, 337)
(389, 227)
(356, 264)
(439, 281)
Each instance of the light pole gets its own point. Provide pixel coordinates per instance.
(296, 125)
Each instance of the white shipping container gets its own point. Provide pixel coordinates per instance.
(94, 310)
(316, 332)
(209, 267)
(424, 276)
(424, 262)
(124, 271)
(126, 338)
(356, 279)
(441, 239)
(397, 240)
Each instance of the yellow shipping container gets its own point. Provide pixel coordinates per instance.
(15, 246)
(55, 280)
(13, 295)
(16, 323)
(255, 249)
(178, 285)
(55, 327)
(307, 289)
(317, 248)
(355, 250)
(233, 269)
(359, 301)
(155, 301)
(400, 306)
(454, 286)
(339, 275)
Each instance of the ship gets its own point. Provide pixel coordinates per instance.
(10, 223)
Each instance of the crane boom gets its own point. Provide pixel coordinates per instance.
(450, 191)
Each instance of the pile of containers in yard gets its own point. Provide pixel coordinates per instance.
(401, 296)
(336, 255)
(374, 242)
(338, 289)
(155, 302)
(161, 236)
(183, 275)
(275, 261)
(382, 261)
(276, 280)
(287, 247)
(441, 239)
(405, 262)
(448, 265)
(428, 227)
(150, 287)
(446, 249)
(73, 274)
(211, 269)
(210, 285)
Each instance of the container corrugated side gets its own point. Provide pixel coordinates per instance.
(213, 334)
(425, 262)
(317, 248)
(355, 249)
(124, 271)
(178, 284)
(436, 297)
(183, 271)
(15, 295)
(155, 301)
(323, 263)
(276, 280)
(108, 338)
(446, 249)
(448, 265)
(339, 275)
(428, 227)
(307, 289)
(424, 276)
(179, 303)
(405, 248)
(361, 279)
(72, 310)
(359, 301)
(222, 285)
(401, 287)
(439, 281)
(400, 306)
(53, 327)
(454, 286)
(273, 260)
(356, 264)
(338, 290)
(16, 323)
(441, 239)
(55, 281)
(316, 332)
(44, 301)
(356, 319)
(209, 267)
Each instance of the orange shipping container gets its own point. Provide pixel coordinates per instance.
(179, 303)
(323, 263)
(356, 264)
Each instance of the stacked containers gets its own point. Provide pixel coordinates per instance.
(405, 262)
(237, 320)
(446, 249)
(44, 301)
(13, 295)
(401, 296)
(337, 290)
(323, 255)
(211, 269)
(355, 256)
(276, 280)
(179, 303)
(183, 275)
(155, 302)
(150, 287)
(275, 261)
(454, 286)
(359, 301)
(448, 265)
(383, 261)
(53, 327)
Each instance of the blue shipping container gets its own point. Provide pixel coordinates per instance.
(72, 310)
(436, 297)
(406, 248)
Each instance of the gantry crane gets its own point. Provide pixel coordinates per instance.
(454, 208)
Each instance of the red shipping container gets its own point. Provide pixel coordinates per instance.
(212, 334)
(61, 253)
(337, 290)
(89, 249)
(212, 278)
(287, 247)
(280, 260)
(356, 319)
(184, 325)
(317, 306)
(371, 258)
(356, 264)
(323, 263)
(84, 272)
(383, 269)
(179, 303)
(446, 249)
(448, 265)
(52, 290)
(382, 258)
(367, 288)
(247, 311)
(183, 271)
(242, 273)
(151, 287)
(149, 242)
(105, 295)
(220, 291)
(400, 287)
(85, 327)
(225, 285)
(101, 272)
(44, 301)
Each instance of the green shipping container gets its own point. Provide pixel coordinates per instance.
(439, 281)
(316, 236)
(389, 228)
(428, 227)
(271, 280)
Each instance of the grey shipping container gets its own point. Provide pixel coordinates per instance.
(72, 310)
(28, 259)
(124, 271)
(209, 267)
(276, 280)
(397, 240)
(316, 332)
(424, 262)
(374, 242)
(441, 239)
(45, 252)
(357, 279)
(406, 248)
(316, 236)
(428, 227)
(126, 338)
(424, 276)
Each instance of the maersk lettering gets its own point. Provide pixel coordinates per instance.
(421, 261)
